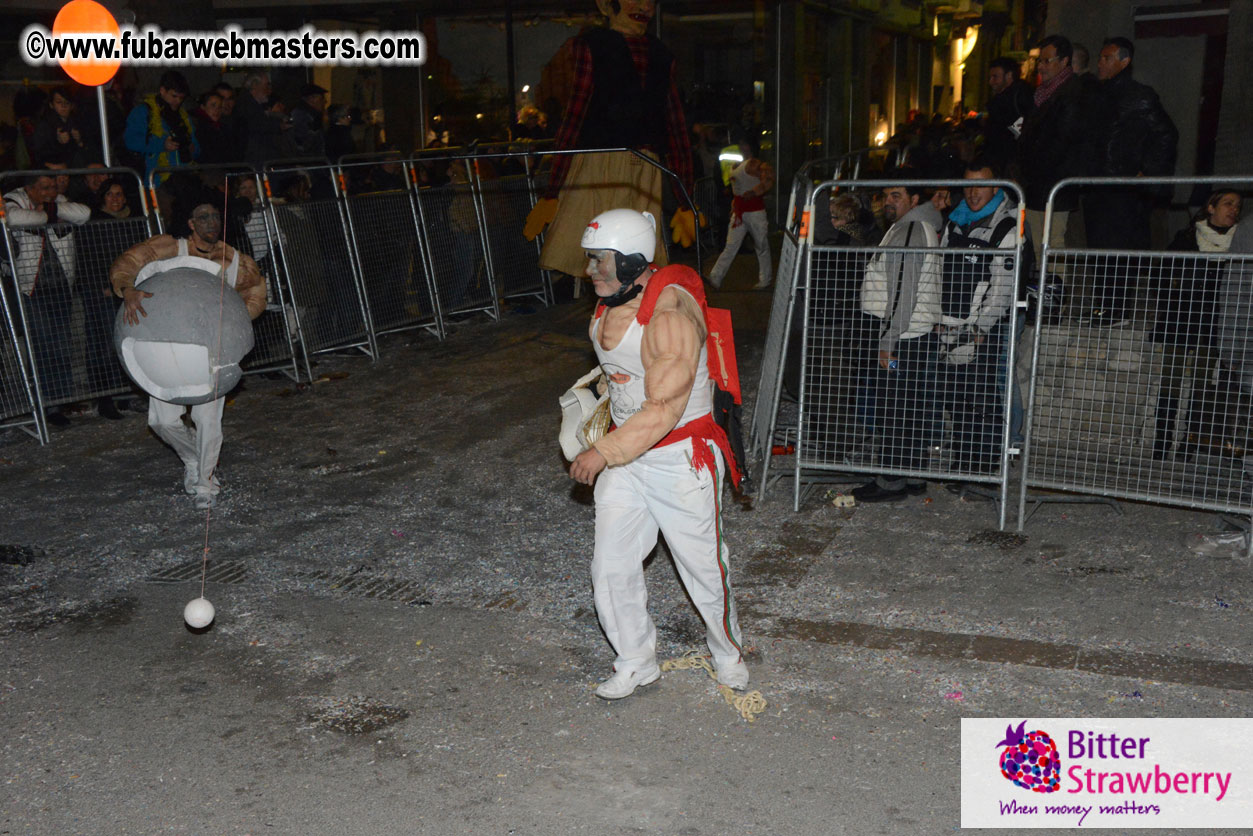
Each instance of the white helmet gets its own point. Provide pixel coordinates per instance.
(623, 230)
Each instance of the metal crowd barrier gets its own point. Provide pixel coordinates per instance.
(316, 251)
(942, 413)
(453, 227)
(59, 304)
(762, 428)
(246, 226)
(379, 196)
(506, 192)
(765, 432)
(350, 251)
(17, 390)
(1142, 364)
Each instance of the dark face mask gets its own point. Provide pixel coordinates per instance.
(208, 227)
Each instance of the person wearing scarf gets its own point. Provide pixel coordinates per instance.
(1185, 293)
(980, 239)
(1052, 143)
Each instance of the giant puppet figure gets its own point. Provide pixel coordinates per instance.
(623, 96)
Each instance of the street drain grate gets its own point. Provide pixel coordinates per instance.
(362, 585)
(219, 571)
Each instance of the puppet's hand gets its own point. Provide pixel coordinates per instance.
(541, 215)
(683, 225)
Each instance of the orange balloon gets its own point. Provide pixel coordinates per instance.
(90, 17)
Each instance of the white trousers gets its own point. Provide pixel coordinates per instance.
(661, 491)
(199, 450)
(751, 222)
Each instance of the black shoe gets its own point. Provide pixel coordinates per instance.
(915, 488)
(872, 492)
(56, 418)
(108, 409)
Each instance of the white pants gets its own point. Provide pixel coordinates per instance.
(199, 450)
(754, 222)
(661, 491)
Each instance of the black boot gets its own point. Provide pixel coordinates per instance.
(108, 409)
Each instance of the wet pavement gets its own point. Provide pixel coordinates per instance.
(405, 640)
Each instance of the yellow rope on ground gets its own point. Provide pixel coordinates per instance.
(749, 705)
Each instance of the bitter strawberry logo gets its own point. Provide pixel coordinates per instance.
(1030, 759)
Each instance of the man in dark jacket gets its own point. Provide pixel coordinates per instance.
(1132, 135)
(307, 132)
(260, 128)
(1052, 143)
(1008, 108)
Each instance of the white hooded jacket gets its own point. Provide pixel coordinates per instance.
(23, 218)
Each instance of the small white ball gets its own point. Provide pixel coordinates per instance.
(198, 613)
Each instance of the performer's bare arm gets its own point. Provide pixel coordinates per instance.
(127, 266)
(250, 285)
(670, 353)
(764, 172)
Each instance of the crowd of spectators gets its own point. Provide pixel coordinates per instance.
(921, 339)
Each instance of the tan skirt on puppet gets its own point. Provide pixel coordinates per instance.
(596, 183)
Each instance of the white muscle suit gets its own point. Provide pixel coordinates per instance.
(199, 450)
(672, 488)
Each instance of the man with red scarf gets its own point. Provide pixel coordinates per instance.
(1052, 143)
(624, 96)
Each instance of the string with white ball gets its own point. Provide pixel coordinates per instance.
(194, 611)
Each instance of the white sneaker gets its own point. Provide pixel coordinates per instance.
(763, 285)
(204, 501)
(623, 683)
(191, 481)
(1222, 544)
(716, 283)
(734, 675)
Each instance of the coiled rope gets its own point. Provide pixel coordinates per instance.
(749, 705)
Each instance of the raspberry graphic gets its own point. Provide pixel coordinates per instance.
(1030, 759)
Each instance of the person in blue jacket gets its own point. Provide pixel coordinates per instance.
(159, 128)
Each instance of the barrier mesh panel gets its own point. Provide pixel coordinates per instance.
(67, 306)
(1140, 388)
(452, 233)
(390, 257)
(506, 202)
(15, 399)
(315, 250)
(766, 404)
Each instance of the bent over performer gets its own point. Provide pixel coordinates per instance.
(661, 467)
(199, 450)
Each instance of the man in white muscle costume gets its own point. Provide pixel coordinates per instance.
(661, 466)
